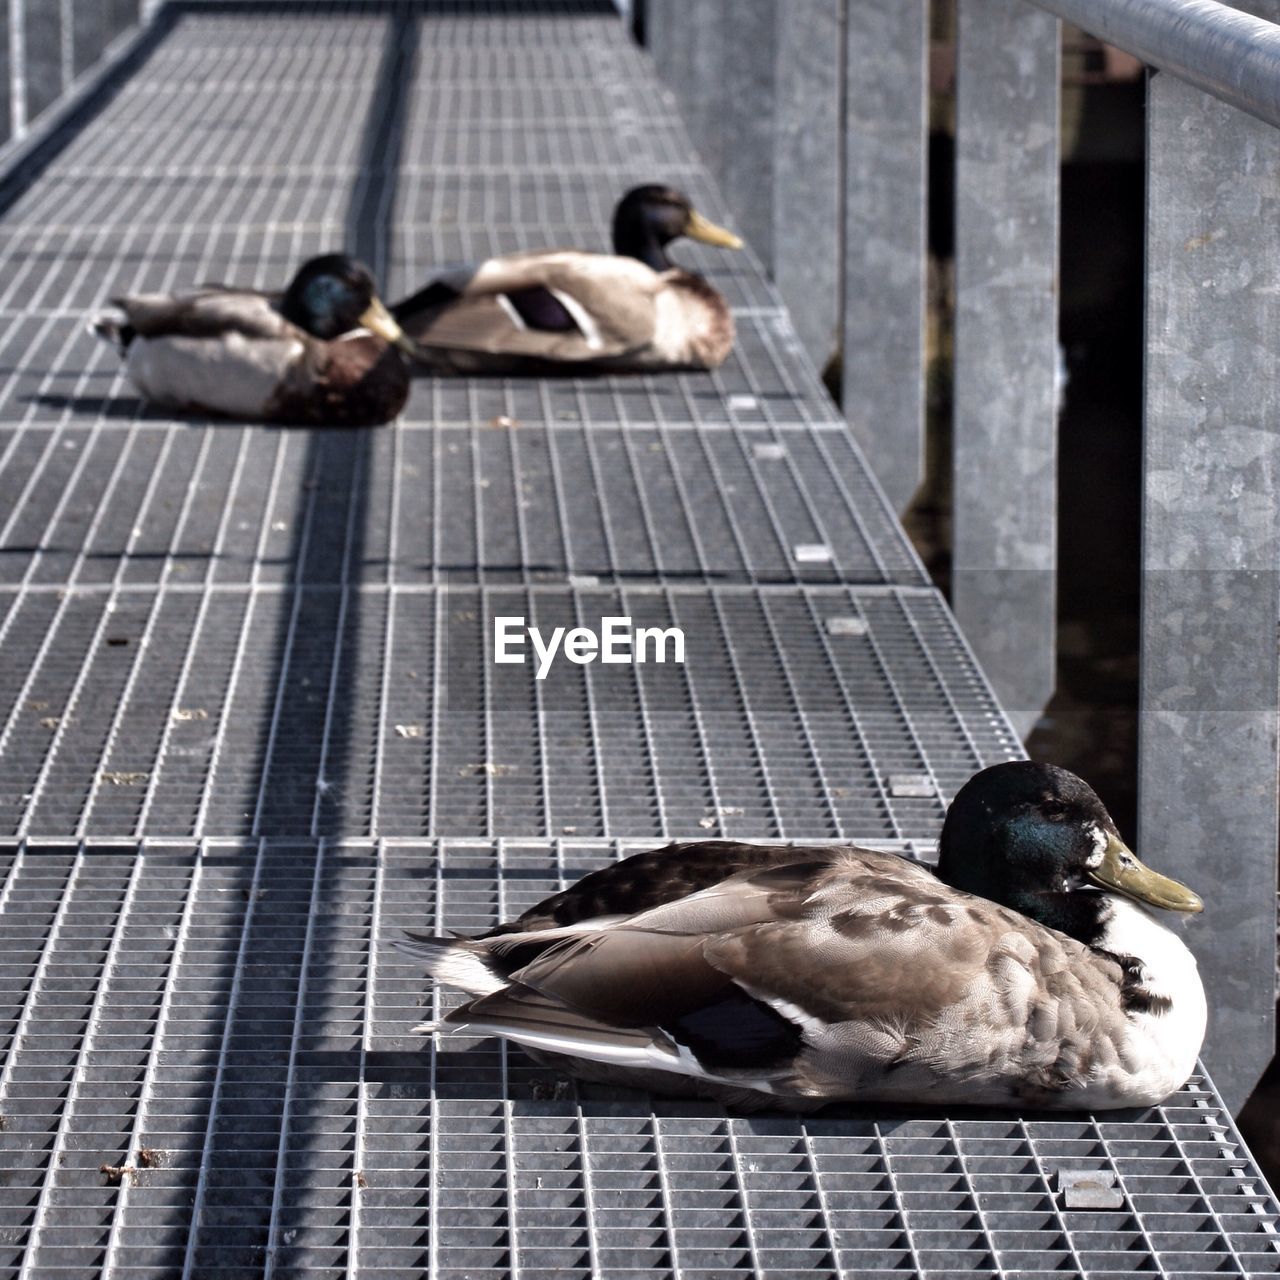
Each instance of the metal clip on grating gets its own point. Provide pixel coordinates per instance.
(248, 731)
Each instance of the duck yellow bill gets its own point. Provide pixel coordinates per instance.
(1121, 870)
(700, 228)
(377, 319)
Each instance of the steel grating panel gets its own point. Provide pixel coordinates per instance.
(224, 1028)
(799, 712)
(157, 503)
(215, 631)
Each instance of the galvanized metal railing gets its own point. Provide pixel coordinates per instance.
(48, 47)
(814, 115)
(1222, 49)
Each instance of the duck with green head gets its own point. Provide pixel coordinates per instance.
(570, 310)
(325, 352)
(1037, 968)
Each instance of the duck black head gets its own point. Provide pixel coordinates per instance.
(1037, 838)
(648, 218)
(334, 294)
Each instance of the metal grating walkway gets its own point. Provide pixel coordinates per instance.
(254, 1038)
(453, 503)
(800, 712)
(249, 729)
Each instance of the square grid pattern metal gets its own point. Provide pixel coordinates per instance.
(365, 710)
(81, 506)
(230, 656)
(224, 1028)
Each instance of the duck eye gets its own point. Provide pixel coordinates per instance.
(1055, 812)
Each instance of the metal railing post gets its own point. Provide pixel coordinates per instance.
(747, 142)
(807, 199)
(6, 105)
(687, 45)
(88, 34)
(885, 253)
(1211, 549)
(657, 36)
(44, 63)
(1006, 347)
(47, 45)
(124, 14)
(15, 83)
(703, 90)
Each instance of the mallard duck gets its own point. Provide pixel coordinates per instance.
(1033, 969)
(321, 352)
(565, 310)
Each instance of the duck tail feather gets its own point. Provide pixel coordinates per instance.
(528, 1018)
(114, 328)
(456, 962)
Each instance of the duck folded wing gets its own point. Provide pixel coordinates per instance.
(749, 897)
(209, 313)
(566, 307)
(646, 880)
(635, 998)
